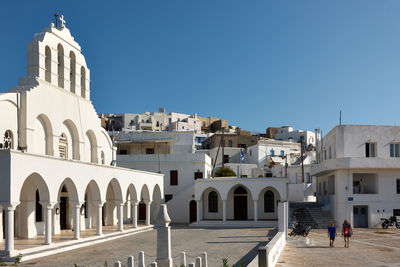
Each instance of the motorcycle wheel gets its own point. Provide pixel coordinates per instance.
(305, 234)
(385, 225)
(398, 225)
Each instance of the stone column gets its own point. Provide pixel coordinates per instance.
(163, 238)
(99, 230)
(183, 259)
(9, 227)
(48, 222)
(255, 210)
(120, 213)
(134, 213)
(283, 217)
(204, 259)
(77, 221)
(148, 215)
(224, 210)
(198, 210)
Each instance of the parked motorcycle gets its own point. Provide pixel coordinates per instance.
(300, 230)
(390, 222)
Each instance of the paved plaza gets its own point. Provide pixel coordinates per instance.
(237, 245)
(368, 247)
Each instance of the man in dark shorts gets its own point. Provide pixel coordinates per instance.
(332, 234)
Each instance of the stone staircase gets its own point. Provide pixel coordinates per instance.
(310, 213)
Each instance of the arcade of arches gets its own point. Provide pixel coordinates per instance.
(36, 214)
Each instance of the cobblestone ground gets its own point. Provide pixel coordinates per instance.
(368, 247)
(234, 244)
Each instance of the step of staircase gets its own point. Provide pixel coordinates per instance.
(310, 213)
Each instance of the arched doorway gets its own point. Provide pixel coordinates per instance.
(240, 203)
(64, 209)
(193, 211)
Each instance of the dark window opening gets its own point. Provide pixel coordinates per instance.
(198, 175)
(149, 150)
(38, 208)
(173, 177)
(226, 158)
(269, 202)
(213, 202)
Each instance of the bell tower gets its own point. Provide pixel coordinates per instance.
(55, 58)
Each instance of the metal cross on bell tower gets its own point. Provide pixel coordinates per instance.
(62, 21)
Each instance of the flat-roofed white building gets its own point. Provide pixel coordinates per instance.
(54, 155)
(358, 173)
(172, 154)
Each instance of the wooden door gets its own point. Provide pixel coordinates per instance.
(240, 208)
(193, 211)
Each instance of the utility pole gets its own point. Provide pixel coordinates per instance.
(223, 147)
(302, 161)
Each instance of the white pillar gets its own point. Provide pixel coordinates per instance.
(164, 258)
(48, 218)
(183, 259)
(131, 261)
(77, 221)
(224, 210)
(141, 262)
(9, 225)
(99, 230)
(148, 215)
(255, 210)
(120, 212)
(1, 222)
(198, 210)
(134, 213)
(204, 259)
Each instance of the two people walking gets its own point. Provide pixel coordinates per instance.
(347, 230)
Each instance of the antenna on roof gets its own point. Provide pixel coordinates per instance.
(340, 118)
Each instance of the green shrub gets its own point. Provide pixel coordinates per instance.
(224, 172)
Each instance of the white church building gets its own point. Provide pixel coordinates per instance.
(56, 160)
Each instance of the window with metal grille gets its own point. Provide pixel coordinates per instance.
(213, 202)
(269, 202)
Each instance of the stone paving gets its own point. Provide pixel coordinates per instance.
(368, 247)
(237, 245)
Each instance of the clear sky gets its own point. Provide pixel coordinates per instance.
(254, 63)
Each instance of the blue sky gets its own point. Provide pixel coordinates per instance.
(254, 63)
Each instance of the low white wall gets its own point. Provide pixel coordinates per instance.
(268, 256)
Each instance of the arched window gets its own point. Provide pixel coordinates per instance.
(38, 208)
(63, 146)
(213, 202)
(60, 69)
(72, 72)
(8, 140)
(83, 82)
(269, 202)
(103, 160)
(48, 64)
